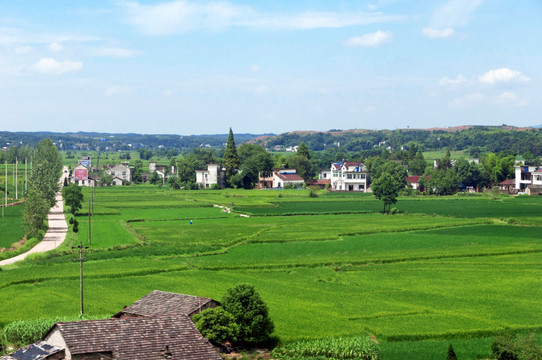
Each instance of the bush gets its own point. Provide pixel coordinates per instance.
(451, 353)
(519, 347)
(217, 325)
(75, 228)
(250, 313)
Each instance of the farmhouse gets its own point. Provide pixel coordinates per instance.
(349, 176)
(162, 303)
(213, 175)
(80, 175)
(279, 179)
(528, 178)
(121, 172)
(158, 326)
(508, 186)
(413, 181)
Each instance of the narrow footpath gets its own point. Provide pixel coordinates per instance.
(55, 235)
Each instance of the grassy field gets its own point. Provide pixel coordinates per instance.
(443, 270)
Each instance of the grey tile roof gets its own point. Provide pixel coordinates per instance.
(162, 302)
(36, 351)
(139, 338)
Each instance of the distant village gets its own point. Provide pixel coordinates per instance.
(346, 176)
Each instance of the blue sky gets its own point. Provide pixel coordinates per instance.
(200, 67)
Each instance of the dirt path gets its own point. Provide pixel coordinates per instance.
(55, 235)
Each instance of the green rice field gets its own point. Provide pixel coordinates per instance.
(443, 270)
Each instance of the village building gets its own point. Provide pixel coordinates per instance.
(214, 175)
(413, 181)
(349, 176)
(81, 176)
(279, 178)
(528, 179)
(121, 171)
(156, 327)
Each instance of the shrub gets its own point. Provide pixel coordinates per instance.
(519, 347)
(71, 221)
(249, 312)
(217, 325)
(75, 228)
(451, 353)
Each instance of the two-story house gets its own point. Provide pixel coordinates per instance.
(349, 176)
(213, 175)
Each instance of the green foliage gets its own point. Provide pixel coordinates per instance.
(106, 179)
(516, 347)
(23, 332)
(75, 227)
(217, 325)
(386, 188)
(73, 197)
(250, 313)
(42, 186)
(336, 348)
(451, 353)
(230, 160)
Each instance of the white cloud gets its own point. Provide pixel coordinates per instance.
(372, 39)
(262, 90)
(23, 50)
(181, 16)
(115, 52)
(468, 100)
(438, 33)
(450, 15)
(502, 75)
(167, 93)
(446, 81)
(51, 66)
(116, 90)
(508, 98)
(254, 68)
(56, 47)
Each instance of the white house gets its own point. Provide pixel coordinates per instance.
(289, 177)
(213, 175)
(80, 175)
(528, 177)
(349, 176)
(121, 171)
(324, 174)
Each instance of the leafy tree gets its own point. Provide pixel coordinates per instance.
(106, 179)
(518, 347)
(417, 165)
(303, 150)
(246, 151)
(73, 197)
(155, 178)
(386, 188)
(145, 154)
(451, 353)
(230, 160)
(249, 312)
(217, 325)
(42, 186)
(304, 167)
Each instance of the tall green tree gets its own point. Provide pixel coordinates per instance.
(73, 197)
(386, 188)
(230, 160)
(42, 186)
(303, 149)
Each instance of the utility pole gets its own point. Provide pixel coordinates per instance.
(6, 186)
(81, 260)
(25, 177)
(16, 179)
(89, 222)
(6, 189)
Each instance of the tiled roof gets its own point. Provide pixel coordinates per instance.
(416, 178)
(320, 182)
(142, 338)
(508, 182)
(289, 177)
(36, 351)
(162, 302)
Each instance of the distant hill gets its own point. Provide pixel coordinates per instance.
(121, 141)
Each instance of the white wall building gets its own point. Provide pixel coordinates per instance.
(349, 176)
(213, 175)
(528, 176)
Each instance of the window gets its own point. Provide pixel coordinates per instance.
(335, 174)
(362, 176)
(349, 176)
